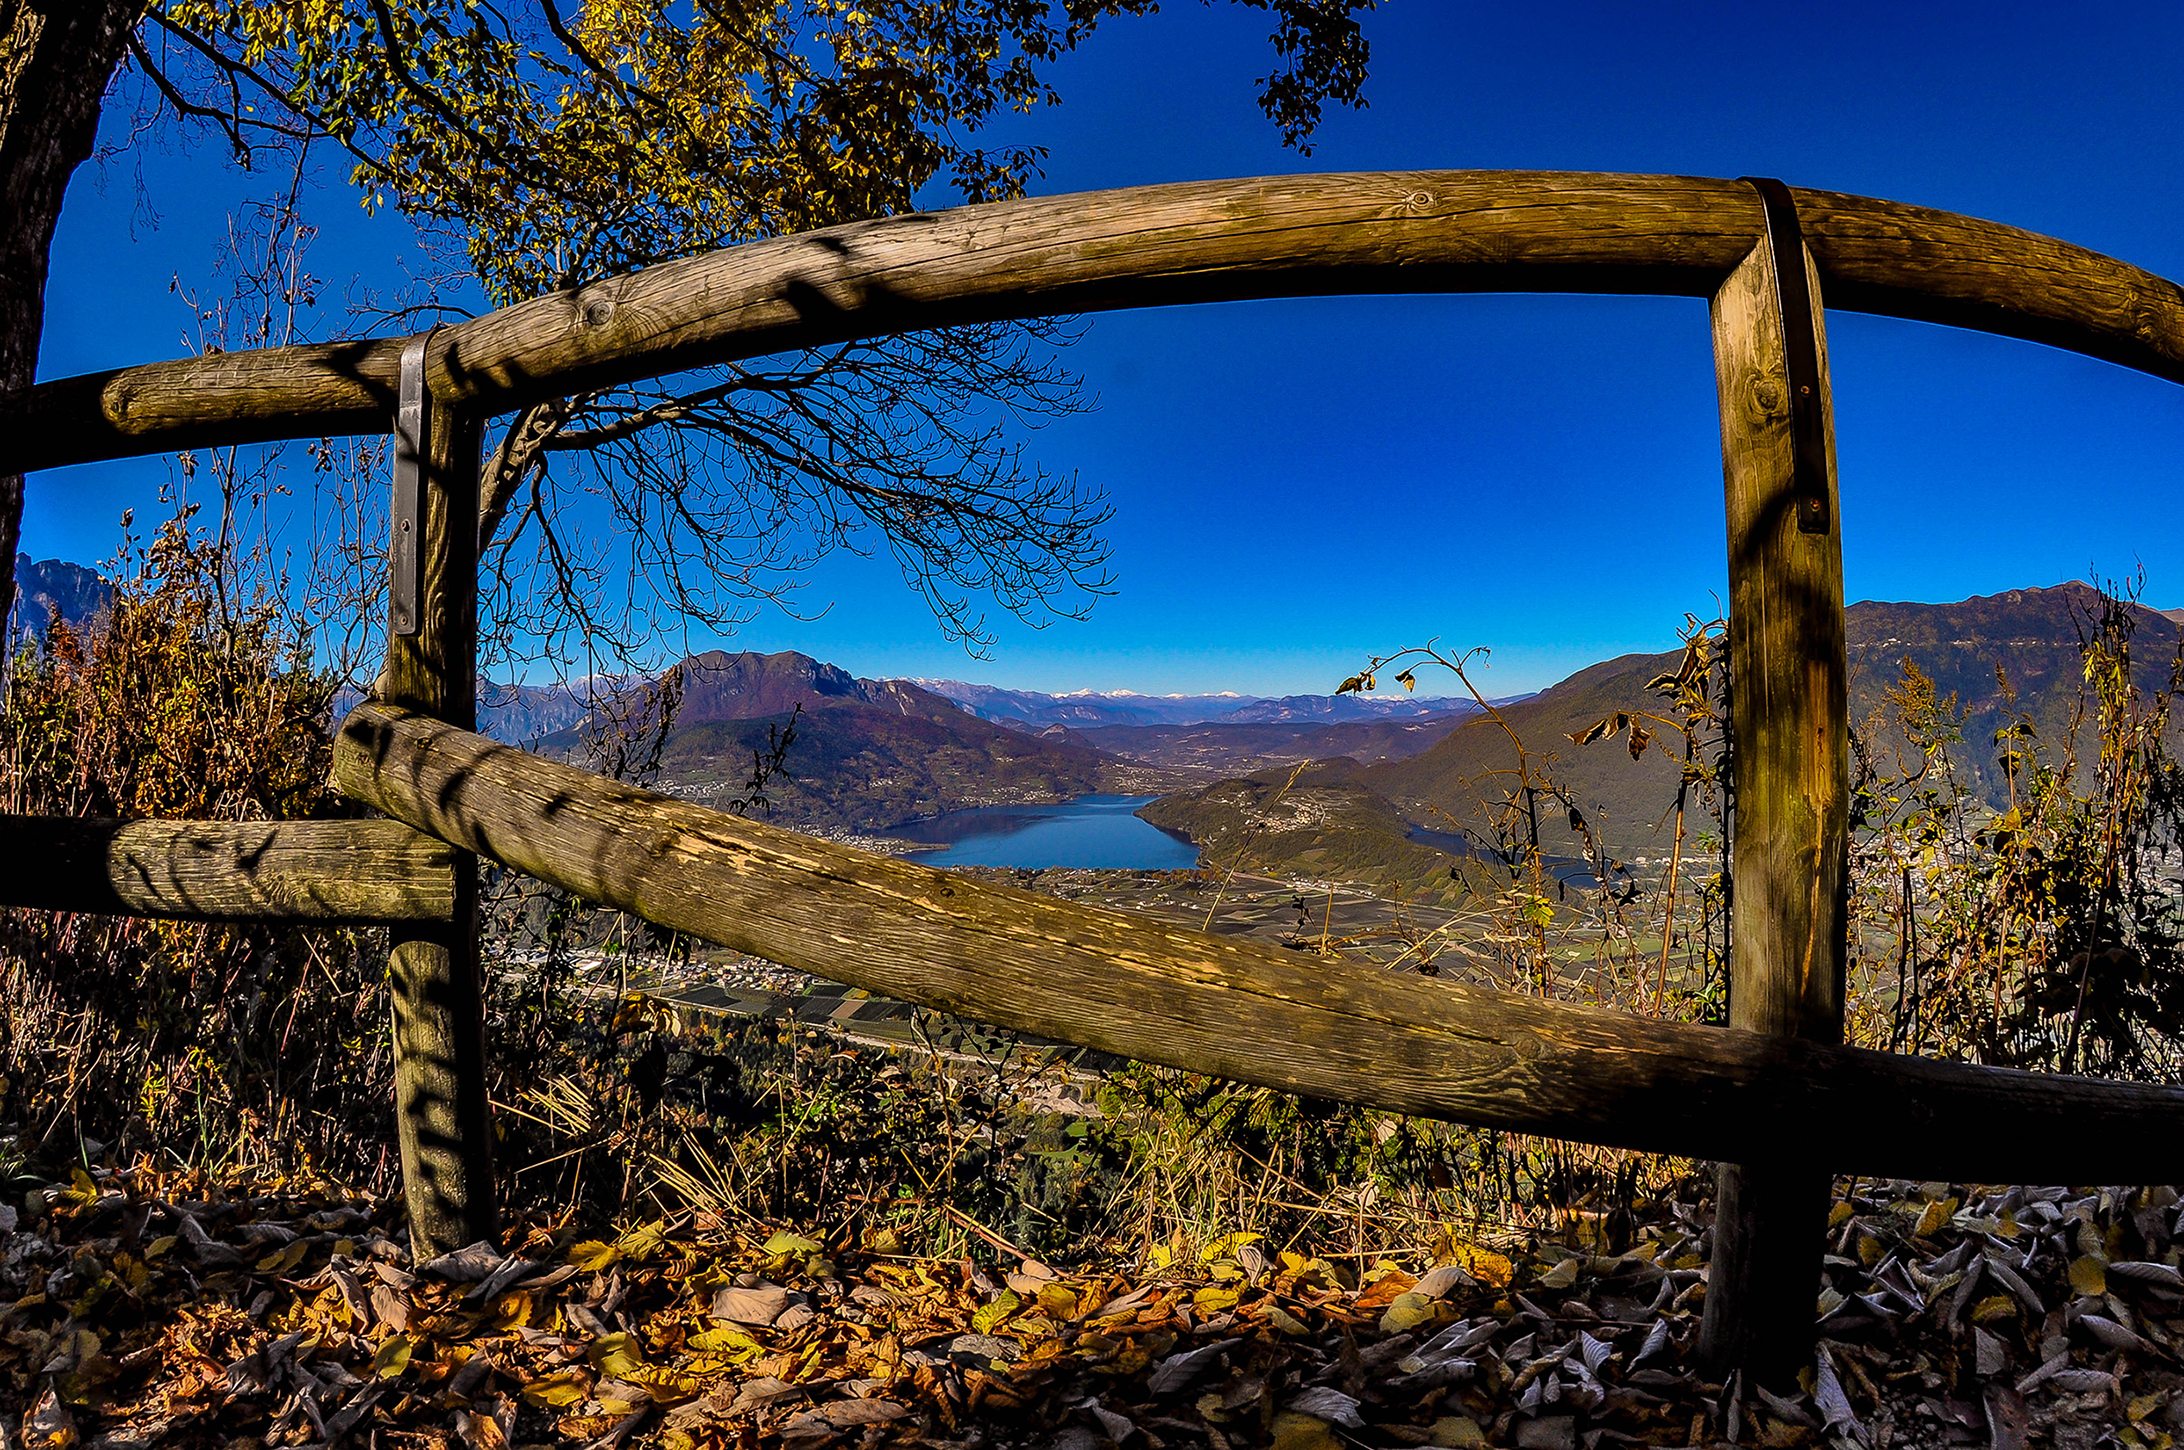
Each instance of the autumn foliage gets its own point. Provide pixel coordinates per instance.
(221, 1043)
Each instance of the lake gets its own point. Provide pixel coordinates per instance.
(1090, 831)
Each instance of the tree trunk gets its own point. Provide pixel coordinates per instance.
(56, 58)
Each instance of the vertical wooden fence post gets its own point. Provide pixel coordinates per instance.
(1790, 705)
(439, 1015)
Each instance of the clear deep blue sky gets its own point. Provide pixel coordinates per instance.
(1299, 484)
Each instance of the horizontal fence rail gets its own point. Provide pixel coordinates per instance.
(362, 872)
(1326, 1028)
(1425, 231)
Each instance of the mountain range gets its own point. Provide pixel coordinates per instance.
(1392, 777)
(874, 754)
(1090, 708)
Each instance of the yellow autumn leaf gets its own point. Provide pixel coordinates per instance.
(393, 1357)
(635, 1010)
(1458, 1432)
(641, 1242)
(616, 1355)
(591, 1255)
(1225, 1247)
(1407, 1312)
(2088, 1276)
(1215, 1300)
(1294, 1431)
(1934, 1217)
(1057, 1302)
(992, 1315)
(667, 1385)
(1308, 1272)
(731, 1343)
(558, 1391)
(1482, 1264)
(785, 1242)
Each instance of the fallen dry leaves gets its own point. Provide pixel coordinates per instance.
(140, 1311)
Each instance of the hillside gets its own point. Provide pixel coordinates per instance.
(1318, 823)
(1449, 786)
(2030, 634)
(868, 754)
(1239, 748)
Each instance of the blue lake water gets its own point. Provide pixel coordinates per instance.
(1090, 831)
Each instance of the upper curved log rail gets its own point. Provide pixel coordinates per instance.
(1388, 232)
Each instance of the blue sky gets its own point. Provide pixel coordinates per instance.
(1299, 484)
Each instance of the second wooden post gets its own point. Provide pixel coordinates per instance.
(1790, 737)
(434, 973)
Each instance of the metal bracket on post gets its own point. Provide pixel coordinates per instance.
(1800, 353)
(411, 420)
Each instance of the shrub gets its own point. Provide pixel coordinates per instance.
(2047, 935)
(222, 1045)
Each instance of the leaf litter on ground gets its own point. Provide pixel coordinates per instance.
(140, 1310)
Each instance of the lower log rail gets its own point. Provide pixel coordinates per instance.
(1235, 1009)
(357, 872)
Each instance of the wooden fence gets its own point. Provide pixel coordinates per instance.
(1775, 1096)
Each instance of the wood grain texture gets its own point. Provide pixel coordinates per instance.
(442, 1117)
(1789, 680)
(359, 872)
(1165, 994)
(1790, 855)
(1431, 231)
